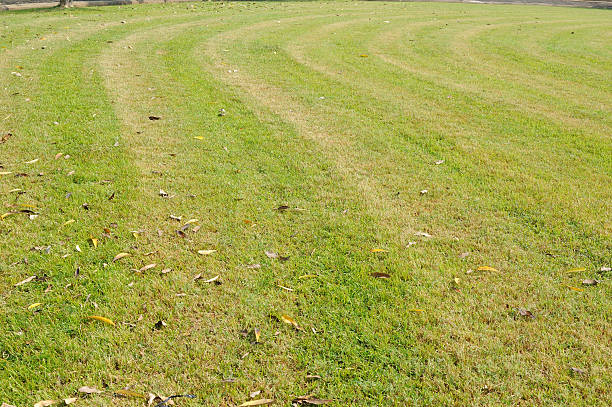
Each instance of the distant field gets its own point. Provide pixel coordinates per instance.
(372, 203)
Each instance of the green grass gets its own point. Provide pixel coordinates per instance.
(516, 100)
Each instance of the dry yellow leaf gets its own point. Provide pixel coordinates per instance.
(5, 172)
(486, 268)
(576, 270)
(573, 288)
(259, 402)
(288, 320)
(308, 276)
(101, 319)
(257, 333)
(190, 221)
(6, 215)
(32, 306)
(199, 138)
(415, 310)
(94, 242)
(31, 161)
(206, 252)
(120, 256)
(379, 251)
(68, 222)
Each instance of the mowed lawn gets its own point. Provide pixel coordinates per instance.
(461, 152)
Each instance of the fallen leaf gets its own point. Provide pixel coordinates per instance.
(154, 117)
(68, 222)
(5, 137)
(573, 288)
(604, 268)
(576, 270)
(313, 377)
(379, 251)
(7, 405)
(259, 402)
(101, 319)
(271, 255)
(254, 394)
(310, 400)
(58, 155)
(578, 370)
(206, 252)
(166, 271)
(363, 55)
(199, 138)
(379, 274)
(27, 280)
(253, 266)
(257, 334)
(89, 390)
(45, 403)
(94, 242)
(589, 281)
(282, 208)
(147, 267)
(32, 161)
(423, 234)
(32, 306)
(70, 400)
(439, 162)
(415, 310)
(120, 256)
(308, 276)
(525, 313)
(285, 288)
(6, 172)
(486, 268)
(288, 320)
(464, 255)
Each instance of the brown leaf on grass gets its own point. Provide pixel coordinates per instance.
(259, 402)
(578, 370)
(282, 208)
(101, 319)
(590, 281)
(313, 377)
(309, 399)
(112, 196)
(70, 400)
(4, 138)
(147, 267)
(166, 271)
(27, 280)
(153, 118)
(525, 313)
(379, 274)
(120, 256)
(7, 405)
(272, 255)
(45, 403)
(288, 320)
(89, 390)
(253, 266)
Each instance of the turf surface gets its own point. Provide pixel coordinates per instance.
(417, 140)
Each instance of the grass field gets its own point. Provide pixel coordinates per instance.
(337, 117)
